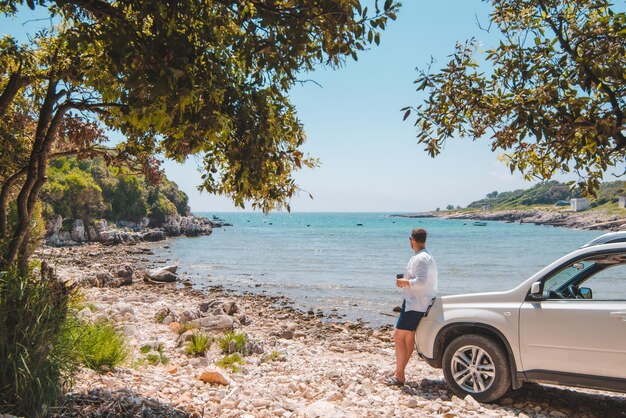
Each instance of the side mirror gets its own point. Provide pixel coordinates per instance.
(535, 290)
(586, 292)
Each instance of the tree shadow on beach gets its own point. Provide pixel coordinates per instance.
(578, 402)
(120, 403)
(572, 402)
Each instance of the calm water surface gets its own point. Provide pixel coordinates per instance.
(328, 260)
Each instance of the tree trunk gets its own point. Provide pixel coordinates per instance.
(4, 199)
(35, 178)
(16, 81)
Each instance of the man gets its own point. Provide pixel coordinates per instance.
(420, 286)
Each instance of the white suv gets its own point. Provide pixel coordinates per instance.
(566, 324)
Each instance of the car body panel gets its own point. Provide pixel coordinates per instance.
(574, 336)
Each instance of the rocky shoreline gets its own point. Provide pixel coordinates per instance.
(299, 364)
(69, 232)
(591, 220)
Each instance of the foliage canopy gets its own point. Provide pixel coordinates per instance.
(208, 78)
(553, 99)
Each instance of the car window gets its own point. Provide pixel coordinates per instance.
(607, 284)
(564, 276)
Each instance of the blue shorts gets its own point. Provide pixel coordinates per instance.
(409, 320)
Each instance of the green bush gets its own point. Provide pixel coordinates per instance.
(273, 356)
(153, 358)
(239, 345)
(230, 362)
(198, 344)
(35, 348)
(100, 344)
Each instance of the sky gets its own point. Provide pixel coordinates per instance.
(370, 158)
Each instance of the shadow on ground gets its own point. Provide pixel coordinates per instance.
(105, 404)
(535, 399)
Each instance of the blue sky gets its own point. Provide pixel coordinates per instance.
(370, 159)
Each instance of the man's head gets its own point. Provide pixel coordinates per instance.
(419, 235)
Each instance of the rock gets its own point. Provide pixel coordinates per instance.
(174, 327)
(201, 362)
(324, 409)
(286, 334)
(184, 337)
(214, 376)
(78, 231)
(214, 323)
(164, 274)
(53, 225)
(124, 308)
(411, 403)
(161, 314)
(123, 271)
(153, 236)
(471, 403)
(188, 316)
(230, 308)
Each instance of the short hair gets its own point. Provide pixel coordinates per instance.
(419, 235)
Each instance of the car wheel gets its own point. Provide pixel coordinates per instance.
(476, 365)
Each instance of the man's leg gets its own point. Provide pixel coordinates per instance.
(409, 345)
(400, 337)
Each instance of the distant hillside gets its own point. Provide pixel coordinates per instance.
(548, 193)
(89, 189)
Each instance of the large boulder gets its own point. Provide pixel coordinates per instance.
(78, 231)
(214, 376)
(163, 274)
(214, 322)
(53, 225)
(155, 235)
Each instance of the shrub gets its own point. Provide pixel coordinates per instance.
(100, 344)
(153, 358)
(198, 344)
(233, 342)
(230, 362)
(35, 349)
(273, 356)
(187, 326)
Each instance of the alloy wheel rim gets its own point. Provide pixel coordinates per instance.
(473, 369)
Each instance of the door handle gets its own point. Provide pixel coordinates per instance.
(619, 314)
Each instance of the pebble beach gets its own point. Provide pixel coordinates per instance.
(300, 364)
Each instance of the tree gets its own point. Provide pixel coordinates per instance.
(553, 98)
(187, 77)
(450, 207)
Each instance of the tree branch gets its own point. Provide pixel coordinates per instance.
(567, 47)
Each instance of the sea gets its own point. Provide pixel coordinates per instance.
(344, 264)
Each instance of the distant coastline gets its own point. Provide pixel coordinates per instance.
(590, 220)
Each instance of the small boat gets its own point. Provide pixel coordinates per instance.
(479, 223)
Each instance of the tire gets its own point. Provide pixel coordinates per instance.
(477, 365)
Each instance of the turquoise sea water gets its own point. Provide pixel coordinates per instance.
(326, 261)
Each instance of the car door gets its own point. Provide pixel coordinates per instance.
(566, 336)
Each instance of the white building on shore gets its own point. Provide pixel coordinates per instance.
(579, 204)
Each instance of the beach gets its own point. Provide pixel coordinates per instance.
(303, 363)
